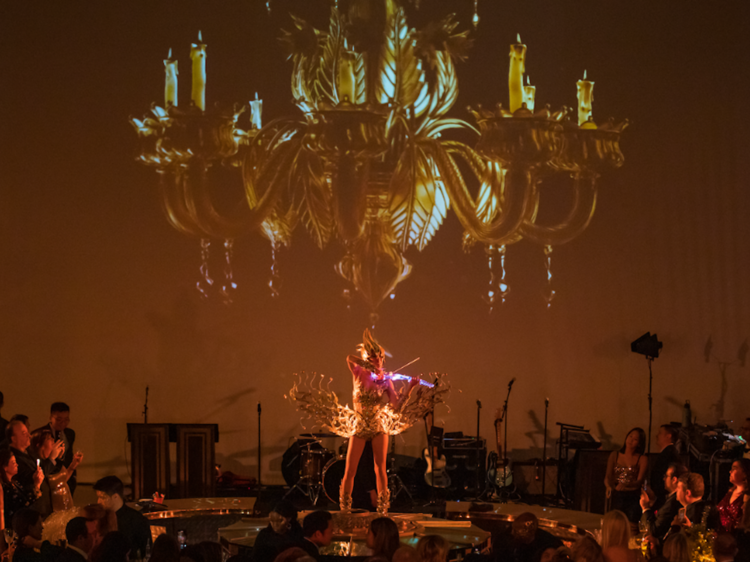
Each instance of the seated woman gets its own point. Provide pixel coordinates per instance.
(383, 538)
(28, 545)
(616, 539)
(731, 507)
(432, 548)
(16, 496)
(283, 531)
(626, 471)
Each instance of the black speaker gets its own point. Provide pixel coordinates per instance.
(463, 464)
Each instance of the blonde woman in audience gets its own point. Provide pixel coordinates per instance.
(616, 539)
(587, 550)
(432, 548)
(676, 548)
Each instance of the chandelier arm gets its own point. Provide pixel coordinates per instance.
(173, 204)
(517, 197)
(577, 220)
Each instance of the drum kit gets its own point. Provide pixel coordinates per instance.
(309, 467)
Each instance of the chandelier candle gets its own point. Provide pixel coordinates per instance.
(170, 81)
(515, 75)
(346, 77)
(585, 99)
(198, 56)
(256, 110)
(529, 95)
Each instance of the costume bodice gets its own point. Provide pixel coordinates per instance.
(627, 475)
(368, 398)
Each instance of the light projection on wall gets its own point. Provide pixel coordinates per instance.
(365, 161)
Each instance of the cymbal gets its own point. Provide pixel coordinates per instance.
(316, 435)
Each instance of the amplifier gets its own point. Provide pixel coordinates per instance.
(462, 443)
(463, 464)
(527, 477)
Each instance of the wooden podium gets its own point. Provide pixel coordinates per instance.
(150, 459)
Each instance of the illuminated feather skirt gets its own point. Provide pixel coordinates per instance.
(322, 407)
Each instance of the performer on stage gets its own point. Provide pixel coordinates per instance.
(379, 411)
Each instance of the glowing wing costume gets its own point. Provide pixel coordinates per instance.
(372, 413)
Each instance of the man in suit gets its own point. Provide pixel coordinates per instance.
(689, 493)
(659, 521)
(80, 542)
(317, 529)
(665, 440)
(59, 419)
(130, 522)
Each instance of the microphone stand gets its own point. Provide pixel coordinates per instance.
(259, 452)
(505, 437)
(544, 454)
(145, 408)
(479, 468)
(428, 430)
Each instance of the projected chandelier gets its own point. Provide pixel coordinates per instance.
(365, 162)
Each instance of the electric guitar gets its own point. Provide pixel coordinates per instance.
(496, 474)
(435, 476)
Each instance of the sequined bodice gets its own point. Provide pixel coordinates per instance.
(730, 514)
(368, 398)
(627, 475)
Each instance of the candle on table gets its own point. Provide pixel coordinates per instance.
(198, 56)
(170, 80)
(515, 74)
(529, 94)
(256, 109)
(585, 99)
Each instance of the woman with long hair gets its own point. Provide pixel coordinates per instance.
(616, 539)
(731, 507)
(379, 412)
(383, 538)
(626, 471)
(432, 548)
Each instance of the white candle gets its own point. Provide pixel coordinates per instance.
(256, 109)
(346, 78)
(585, 99)
(515, 74)
(198, 56)
(170, 81)
(529, 94)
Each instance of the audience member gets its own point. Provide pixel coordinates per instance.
(165, 549)
(28, 526)
(659, 522)
(15, 495)
(616, 538)
(114, 547)
(405, 553)
(80, 542)
(526, 541)
(210, 551)
(587, 550)
(626, 471)
(383, 538)
(6, 436)
(317, 530)
(283, 531)
(725, 548)
(690, 494)
(99, 521)
(676, 548)
(732, 505)
(131, 523)
(432, 548)
(293, 554)
(666, 440)
(59, 419)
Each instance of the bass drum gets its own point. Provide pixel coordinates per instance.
(333, 474)
(291, 462)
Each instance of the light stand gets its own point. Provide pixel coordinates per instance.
(648, 345)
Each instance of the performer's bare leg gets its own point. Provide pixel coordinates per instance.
(380, 455)
(353, 454)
